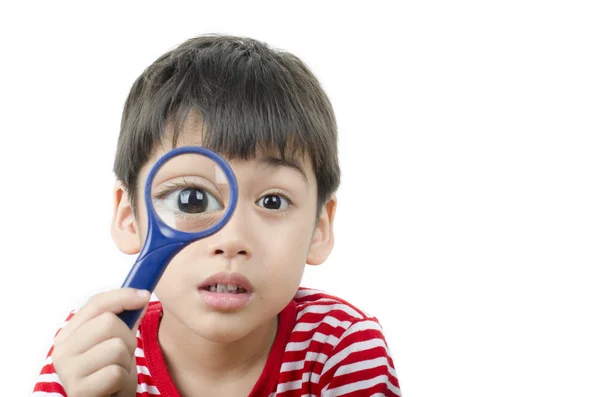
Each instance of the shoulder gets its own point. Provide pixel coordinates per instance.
(346, 344)
(336, 324)
(313, 306)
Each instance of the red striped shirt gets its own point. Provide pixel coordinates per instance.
(324, 347)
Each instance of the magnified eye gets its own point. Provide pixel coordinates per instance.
(192, 200)
(273, 202)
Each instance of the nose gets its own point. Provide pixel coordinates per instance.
(234, 239)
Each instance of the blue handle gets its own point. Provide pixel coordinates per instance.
(163, 242)
(145, 273)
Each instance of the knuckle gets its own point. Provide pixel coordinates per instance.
(120, 345)
(115, 373)
(107, 321)
(116, 352)
(94, 300)
(119, 348)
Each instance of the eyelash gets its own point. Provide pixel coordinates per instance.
(171, 187)
(279, 193)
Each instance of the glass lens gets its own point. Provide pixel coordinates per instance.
(190, 193)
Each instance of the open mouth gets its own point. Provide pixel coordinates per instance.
(225, 288)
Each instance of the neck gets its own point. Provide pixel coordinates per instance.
(187, 352)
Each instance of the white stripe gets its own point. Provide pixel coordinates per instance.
(48, 360)
(327, 308)
(318, 357)
(297, 365)
(356, 347)
(307, 292)
(142, 370)
(293, 385)
(292, 366)
(363, 326)
(366, 325)
(49, 378)
(317, 336)
(368, 364)
(143, 387)
(394, 389)
(334, 322)
(139, 352)
(360, 385)
(46, 394)
(362, 365)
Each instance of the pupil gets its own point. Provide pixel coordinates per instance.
(272, 202)
(193, 201)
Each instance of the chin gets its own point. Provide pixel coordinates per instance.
(225, 332)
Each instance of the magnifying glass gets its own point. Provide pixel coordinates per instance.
(190, 193)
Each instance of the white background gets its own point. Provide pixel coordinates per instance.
(469, 213)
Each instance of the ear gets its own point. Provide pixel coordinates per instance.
(322, 239)
(124, 229)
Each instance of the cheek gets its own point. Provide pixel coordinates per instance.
(172, 282)
(288, 244)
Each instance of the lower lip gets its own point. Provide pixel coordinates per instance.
(224, 301)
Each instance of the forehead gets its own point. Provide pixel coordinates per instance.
(190, 133)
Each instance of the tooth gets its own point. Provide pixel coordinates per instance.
(232, 287)
(221, 288)
(213, 288)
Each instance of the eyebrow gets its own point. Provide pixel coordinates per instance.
(271, 161)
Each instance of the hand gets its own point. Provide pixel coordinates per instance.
(94, 354)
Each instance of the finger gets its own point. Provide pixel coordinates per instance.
(115, 301)
(99, 329)
(104, 382)
(113, 351)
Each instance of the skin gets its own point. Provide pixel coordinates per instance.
(223, 351)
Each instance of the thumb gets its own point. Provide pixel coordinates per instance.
(133, 314)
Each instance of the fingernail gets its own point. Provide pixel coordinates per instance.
(143, 293)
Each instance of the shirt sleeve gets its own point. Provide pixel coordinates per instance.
(48, 383)
(360, 364)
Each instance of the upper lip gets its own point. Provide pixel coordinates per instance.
(228, 278)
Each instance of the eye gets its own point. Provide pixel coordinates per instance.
(191, 200)
(273, 202)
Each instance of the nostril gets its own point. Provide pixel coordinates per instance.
(222, 252)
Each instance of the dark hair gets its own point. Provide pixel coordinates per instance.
(248, 95)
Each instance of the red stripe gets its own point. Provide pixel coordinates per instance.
(47, 369)
(50, 387)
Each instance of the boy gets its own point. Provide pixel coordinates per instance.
(265, 112)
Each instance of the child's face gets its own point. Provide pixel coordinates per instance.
(269, 247)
